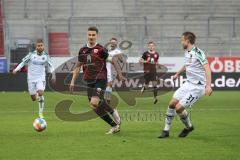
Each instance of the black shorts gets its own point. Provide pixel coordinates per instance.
(150, 77)
(96, 88)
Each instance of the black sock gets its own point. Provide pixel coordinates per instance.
(104, 115)
(109, 120)
(155, 92)
(106, 106)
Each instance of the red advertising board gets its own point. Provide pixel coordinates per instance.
(224, 64)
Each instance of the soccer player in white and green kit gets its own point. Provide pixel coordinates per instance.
(36, 75)
(197, 84)
(111, 75)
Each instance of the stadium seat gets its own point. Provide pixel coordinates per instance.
(161, 19)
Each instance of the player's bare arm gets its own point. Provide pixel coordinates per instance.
(207, 69)
(53, 79)
(183, 69)
(22, 64)
(76, 72)
(143, 61)
(18, 68)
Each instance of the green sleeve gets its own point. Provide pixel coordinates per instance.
(201, 57)
(26, 59)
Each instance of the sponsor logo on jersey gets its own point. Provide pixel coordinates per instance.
(95, 50)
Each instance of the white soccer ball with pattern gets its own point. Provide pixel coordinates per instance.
(39, 124)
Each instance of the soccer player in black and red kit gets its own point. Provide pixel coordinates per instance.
(149, 60)
(92, 58)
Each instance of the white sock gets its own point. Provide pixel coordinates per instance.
(185, 119)
(41, 104)
(169, 117)
(107, 94)
(37, 96)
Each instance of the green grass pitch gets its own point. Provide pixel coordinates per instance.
(216, 135)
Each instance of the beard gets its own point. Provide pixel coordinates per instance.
(39, 50)
(184, 47)
(113, 47)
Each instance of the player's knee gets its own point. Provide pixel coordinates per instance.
(40, 93)
(172, 105)
(94, 103)
(34, 98)
(179, 108)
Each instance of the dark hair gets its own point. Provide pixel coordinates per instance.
(190, 36)
(39, 41)
(93, 28)
(151, 42)
(113, 38)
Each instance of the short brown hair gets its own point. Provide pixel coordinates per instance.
(190, 36)
(39, 41)
(151, 42)
(93, 28)
(113, 38)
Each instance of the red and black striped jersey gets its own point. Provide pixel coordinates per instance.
(152, 59)
(93, 61)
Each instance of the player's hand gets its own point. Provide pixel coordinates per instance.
(175, 76)
(14, 72)
(53, 78)
(109, 84)
(141, 61)
(208, 90)
(71, 87)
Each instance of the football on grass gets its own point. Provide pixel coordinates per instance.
(39, 124)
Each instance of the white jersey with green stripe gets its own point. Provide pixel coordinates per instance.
(36, 66)
(110, 69)
(194, 62)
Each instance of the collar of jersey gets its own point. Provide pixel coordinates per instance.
(93, 46)
(194, 47)
(41, 54)
(114, 49)
(151, 52)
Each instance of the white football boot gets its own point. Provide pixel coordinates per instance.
(114, 130)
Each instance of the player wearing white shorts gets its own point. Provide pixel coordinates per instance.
(197, 84)
(36, 75)
(111, 74)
